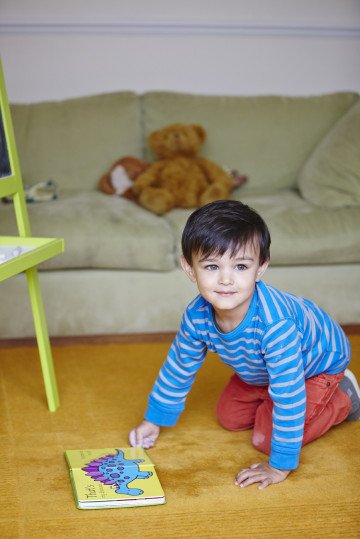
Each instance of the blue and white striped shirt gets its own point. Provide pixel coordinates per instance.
(282, 340)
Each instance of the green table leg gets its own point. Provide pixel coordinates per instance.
(43, 339)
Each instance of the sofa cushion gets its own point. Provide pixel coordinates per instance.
(331, 176)
(300, 232)
(268, 138)
(75, 141)
(100, 231)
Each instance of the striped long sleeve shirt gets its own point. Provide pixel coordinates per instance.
(282, 340)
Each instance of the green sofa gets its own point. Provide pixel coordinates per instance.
(120, 271)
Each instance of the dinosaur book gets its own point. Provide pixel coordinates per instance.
(104, 478)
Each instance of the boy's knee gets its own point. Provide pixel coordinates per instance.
(262, 433)
(228, 424)
(261, 441)
(224, 416)
(231, 417)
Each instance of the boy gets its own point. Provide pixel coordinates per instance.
(289, 357)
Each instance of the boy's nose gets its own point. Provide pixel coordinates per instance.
(225, 277)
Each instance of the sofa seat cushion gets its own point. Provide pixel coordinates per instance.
(300, 232)
(331, 176)
(100, 231)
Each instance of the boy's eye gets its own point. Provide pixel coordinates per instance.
(211, 267)
(241, 267)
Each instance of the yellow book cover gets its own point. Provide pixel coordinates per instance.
(103, 478)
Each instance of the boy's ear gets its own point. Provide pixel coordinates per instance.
(261, 270)
(188, 269)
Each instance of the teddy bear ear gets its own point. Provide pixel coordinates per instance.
(200, 132)
(153, 138)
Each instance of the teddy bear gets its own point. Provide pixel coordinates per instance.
(180, 178)
(121, 176)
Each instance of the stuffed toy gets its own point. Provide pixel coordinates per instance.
(180, 178)
(121, 176)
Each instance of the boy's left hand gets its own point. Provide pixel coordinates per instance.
(262, 473)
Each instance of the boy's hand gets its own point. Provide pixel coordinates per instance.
(144, 435)
(262, 473)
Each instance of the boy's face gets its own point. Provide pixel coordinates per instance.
(227, 282)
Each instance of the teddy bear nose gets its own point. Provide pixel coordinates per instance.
(176, 135)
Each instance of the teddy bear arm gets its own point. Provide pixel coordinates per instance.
(214, 173)
(147, 178)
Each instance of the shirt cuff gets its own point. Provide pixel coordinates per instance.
(284, 461)
(162, 415)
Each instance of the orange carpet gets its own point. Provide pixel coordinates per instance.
(103, 391)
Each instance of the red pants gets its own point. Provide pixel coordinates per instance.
(242, 406)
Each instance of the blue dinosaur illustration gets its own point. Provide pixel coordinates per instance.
(117, 471)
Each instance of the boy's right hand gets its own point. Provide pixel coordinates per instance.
(144, 435)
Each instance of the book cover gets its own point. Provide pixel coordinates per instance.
(104, 478)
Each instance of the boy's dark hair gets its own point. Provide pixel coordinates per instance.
(222, 225)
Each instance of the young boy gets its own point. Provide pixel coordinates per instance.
(289, 357)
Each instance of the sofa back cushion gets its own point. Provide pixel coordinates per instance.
(267, 138)
(331, 176)
(74, 142)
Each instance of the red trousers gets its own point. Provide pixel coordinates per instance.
(242, 406)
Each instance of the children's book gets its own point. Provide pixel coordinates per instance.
(103, 478)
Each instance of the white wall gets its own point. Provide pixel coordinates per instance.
(55, 50)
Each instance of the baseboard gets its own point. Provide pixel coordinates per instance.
(160, 27)
(74, 340)
(134, 338)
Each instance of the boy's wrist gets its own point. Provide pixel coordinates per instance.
(161, 415)
(283, 461)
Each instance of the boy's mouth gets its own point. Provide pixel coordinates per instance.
(224, 293)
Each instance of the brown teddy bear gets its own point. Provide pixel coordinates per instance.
(180, 178)
(121, 176)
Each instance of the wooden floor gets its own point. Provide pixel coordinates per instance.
(103, 385)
